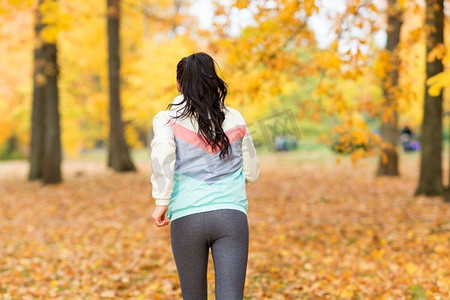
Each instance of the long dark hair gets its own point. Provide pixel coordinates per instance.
(204, 94)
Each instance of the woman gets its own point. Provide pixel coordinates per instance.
(202, 158)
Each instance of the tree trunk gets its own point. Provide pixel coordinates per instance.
(52, 142)
(45, 147)
(11, 145)
(430, 180)
(37, 115)
(118, 154)
(447, 188)
(388, 165)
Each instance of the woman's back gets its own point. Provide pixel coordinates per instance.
(202, 180)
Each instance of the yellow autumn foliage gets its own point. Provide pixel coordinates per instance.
(273, 64)
(438, 82)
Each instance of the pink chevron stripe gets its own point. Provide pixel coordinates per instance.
(196, 140)
(236, 133)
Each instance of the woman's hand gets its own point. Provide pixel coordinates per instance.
(159, 216)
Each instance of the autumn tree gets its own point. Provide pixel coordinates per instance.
(269, 56)
(45, 150)
(119, 157)
(430, 180)
(388, 164)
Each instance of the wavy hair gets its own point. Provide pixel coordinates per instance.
(204, 94)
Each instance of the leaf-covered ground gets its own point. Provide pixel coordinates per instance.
(318, 230)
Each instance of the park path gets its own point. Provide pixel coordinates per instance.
(319, 230)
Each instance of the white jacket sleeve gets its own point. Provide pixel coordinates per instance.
(249, 159)
(163, 159)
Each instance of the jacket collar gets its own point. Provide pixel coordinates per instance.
(177, 109)
(178, 99)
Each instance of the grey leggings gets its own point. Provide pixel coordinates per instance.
(226, 232)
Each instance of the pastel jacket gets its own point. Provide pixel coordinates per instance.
(189, 176)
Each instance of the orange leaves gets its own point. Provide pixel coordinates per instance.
(353, 137)
(317, 230)
(415, 35)
(11, 6)
(441, 80)
(388, 114)
(54, 19)
(310, 7)
(242, 3)
(438, 82)
(437, 53)
(382, 63)
(263, 62)
(327, 59)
